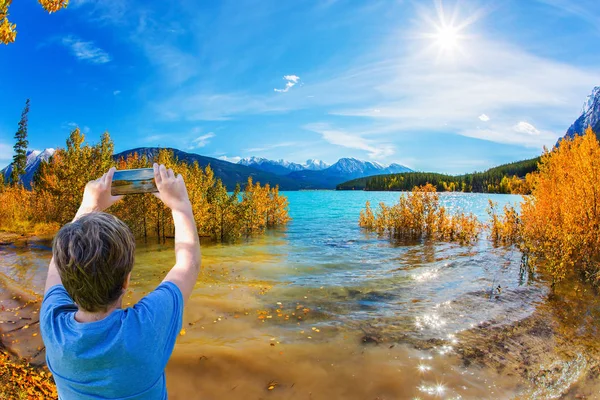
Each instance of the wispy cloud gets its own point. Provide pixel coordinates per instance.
(202, 141)
(292, 80)
(586, 10)
(233, 159)
(375, 149)
(492, 75)
(72, 125)
(427, 96)
(154, 139)
(86, 51)
(116, 92)
(271, 147)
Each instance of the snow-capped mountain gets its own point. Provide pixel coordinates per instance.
(315, 165)
(344, 170)
(352, 166)
(280, 167)
(590, 116)
(34, 158)
(320, 174)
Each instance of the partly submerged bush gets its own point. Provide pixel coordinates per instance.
(561, 220)
(419, 215)
(504, 229)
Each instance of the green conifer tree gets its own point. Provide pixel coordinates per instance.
(20, 157)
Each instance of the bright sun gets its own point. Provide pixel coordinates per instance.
(447, 30)
(447, 38)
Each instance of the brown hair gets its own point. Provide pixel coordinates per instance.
(94, 255)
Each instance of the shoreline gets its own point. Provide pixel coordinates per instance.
(543, 350)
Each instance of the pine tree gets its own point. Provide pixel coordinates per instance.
(20, 157)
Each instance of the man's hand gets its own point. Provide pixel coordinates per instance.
(171, 189)
(97, 196)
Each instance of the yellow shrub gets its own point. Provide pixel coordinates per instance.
(504, 229)
(418, 215)
(561, 220)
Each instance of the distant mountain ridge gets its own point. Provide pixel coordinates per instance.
(282, 167)
(344, 170)
(314, 174)
(229, 173)
(590, 116)
(34, 158)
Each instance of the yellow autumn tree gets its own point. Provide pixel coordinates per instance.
(59, 183)
(504, 229)
(561, 220)
(63, 178)
(419, 215)
(8, 30)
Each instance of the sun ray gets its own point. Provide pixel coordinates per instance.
(447, 29)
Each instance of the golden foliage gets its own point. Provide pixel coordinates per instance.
(8, 31)
(59, 183)
(22, 212)
(561, 220)
(19, 380)
(419, 215)
(54, 5)
(504, 229)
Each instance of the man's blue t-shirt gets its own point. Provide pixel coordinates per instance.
(122, 356)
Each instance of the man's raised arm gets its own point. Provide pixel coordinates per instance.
(173, 193)
(96, 197)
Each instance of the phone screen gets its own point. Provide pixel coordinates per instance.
(131, 181)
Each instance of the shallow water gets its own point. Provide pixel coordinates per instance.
(322, 310)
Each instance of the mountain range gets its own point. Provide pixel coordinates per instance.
(282, 167)
(314, 174)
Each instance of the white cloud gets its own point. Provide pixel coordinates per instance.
(436, 96)
(116, 92)
(399, 90)
(154, 138)
(525, 127)
(374, 149)
(202, 141)
(522, 134)
(86, 51)
(292, 80)
(586, 10)
(234, 159)
(271, 147)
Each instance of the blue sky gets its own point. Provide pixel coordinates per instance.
(438, 86)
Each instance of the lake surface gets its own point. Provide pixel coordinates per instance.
(323, 310)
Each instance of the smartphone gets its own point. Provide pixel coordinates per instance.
(130, 181)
